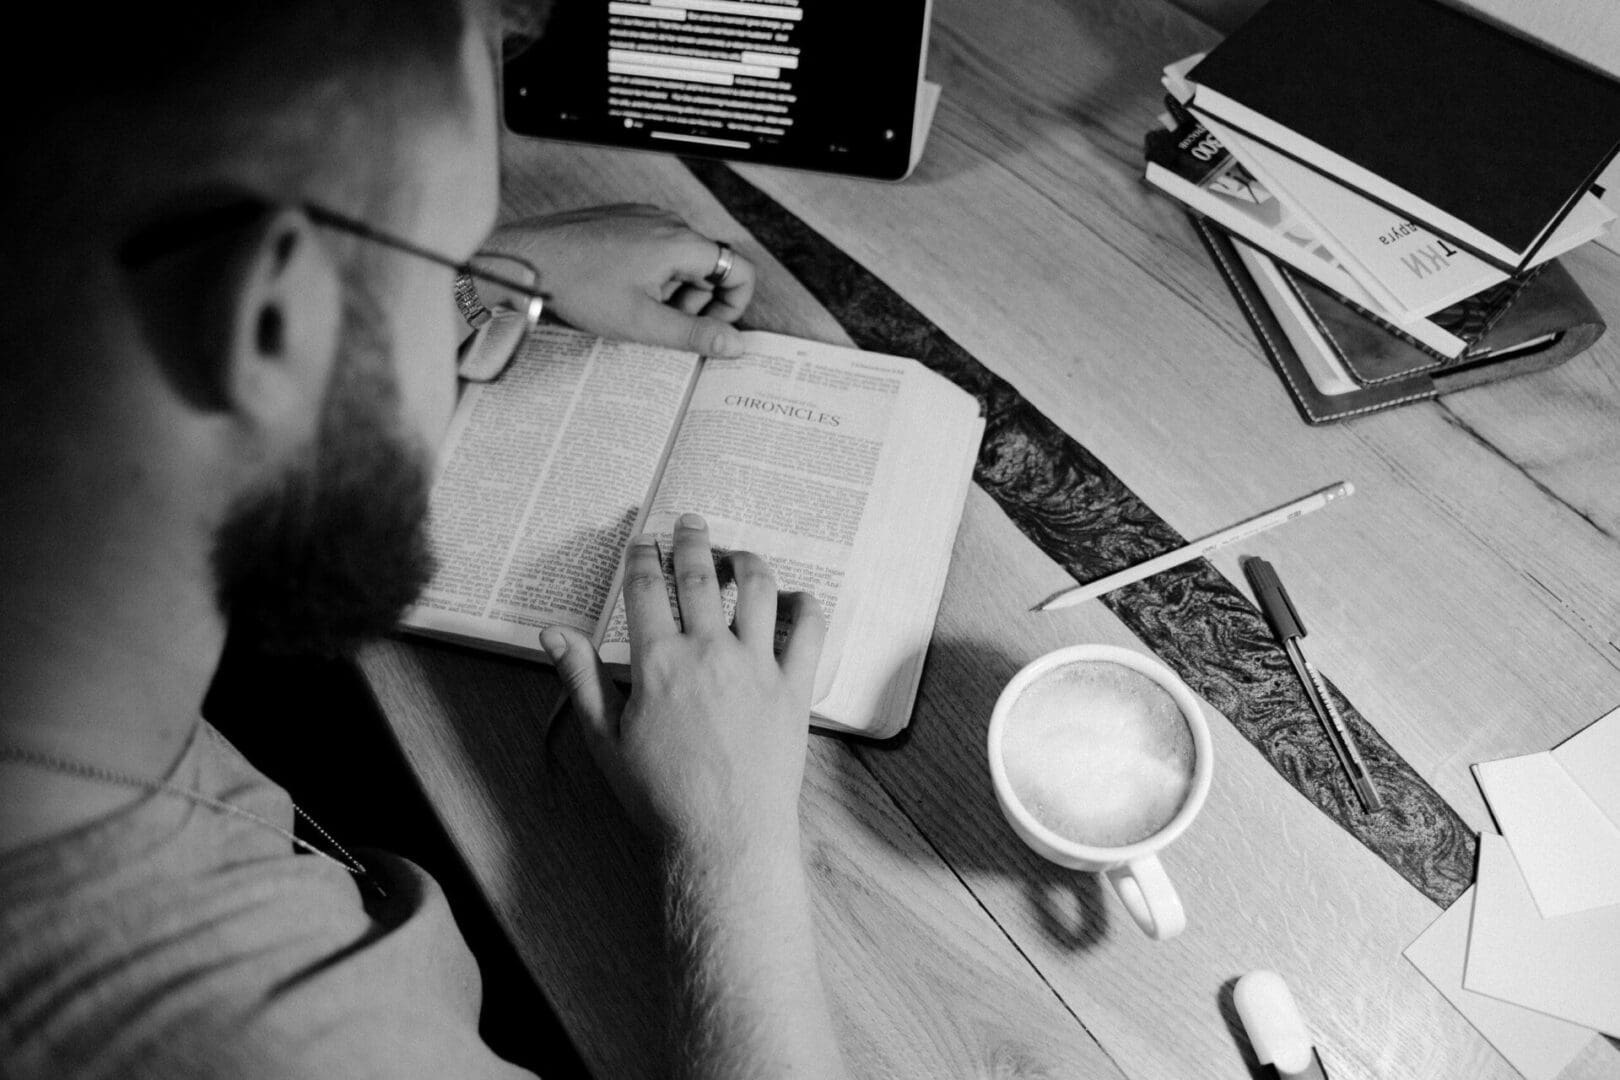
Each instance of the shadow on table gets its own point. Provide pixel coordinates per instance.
(1071, 905)
(573, 885)
(938, 776)
(313, 726)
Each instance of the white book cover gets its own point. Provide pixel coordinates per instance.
(1414, 272)
(1244, 205)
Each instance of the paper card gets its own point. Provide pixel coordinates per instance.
(1592, 758)
(1537, 1045)
(1568, 967)
(1566, 847)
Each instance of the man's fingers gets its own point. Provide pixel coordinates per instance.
(661, 324)
(646, 596)
(695, 583)
(725, 302)
(755, 620)
(697, 257)
(712, 337)
(732, 297)
(807, 630)
(596, 700)
(690, 299)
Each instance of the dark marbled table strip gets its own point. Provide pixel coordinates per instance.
(1079, 513)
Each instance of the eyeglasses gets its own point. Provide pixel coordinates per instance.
(483, 356)
(495, 340)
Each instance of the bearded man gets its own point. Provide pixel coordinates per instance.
(229, 354)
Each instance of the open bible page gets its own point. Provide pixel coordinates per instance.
(903, 555)
(541, 480)
(779, 450)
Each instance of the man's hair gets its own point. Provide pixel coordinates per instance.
(293, 95)
(147, 109)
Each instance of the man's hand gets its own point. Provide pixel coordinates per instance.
(708, 753)
(635, 273)
(709, 750)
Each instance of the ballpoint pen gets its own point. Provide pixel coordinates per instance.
(1286, 624)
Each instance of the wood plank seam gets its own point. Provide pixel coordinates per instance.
(859, 753)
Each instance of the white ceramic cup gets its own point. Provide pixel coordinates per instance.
(1134, 869)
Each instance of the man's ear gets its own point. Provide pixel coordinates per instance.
(279, 307)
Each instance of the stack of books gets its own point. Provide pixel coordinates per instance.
(1386, 186)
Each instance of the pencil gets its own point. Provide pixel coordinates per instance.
(1198, 548)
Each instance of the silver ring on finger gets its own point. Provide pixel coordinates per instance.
(722, 266)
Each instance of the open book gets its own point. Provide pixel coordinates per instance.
(845, 470)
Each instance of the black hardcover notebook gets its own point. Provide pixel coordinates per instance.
(1489, 128)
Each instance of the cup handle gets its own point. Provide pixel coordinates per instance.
(1146, 892)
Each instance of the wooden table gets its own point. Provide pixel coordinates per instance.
(1467, 600)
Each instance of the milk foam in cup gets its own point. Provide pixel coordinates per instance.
(1099, 753)
(1100, 758)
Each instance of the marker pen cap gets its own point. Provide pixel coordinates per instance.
(1275, 1027)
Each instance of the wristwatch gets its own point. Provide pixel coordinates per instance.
(467, 299)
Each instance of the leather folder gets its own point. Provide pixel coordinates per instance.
(1388, 368)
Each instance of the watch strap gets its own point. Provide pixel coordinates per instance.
(467, 299)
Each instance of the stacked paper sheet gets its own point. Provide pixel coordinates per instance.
(1531, 954)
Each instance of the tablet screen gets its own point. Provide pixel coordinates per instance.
(814, 84)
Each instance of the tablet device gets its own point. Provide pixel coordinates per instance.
(830, 85)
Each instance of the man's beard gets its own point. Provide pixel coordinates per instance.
(333, 552)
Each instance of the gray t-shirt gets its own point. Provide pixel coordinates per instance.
(173, 940)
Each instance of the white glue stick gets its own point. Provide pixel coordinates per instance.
(1275, 1028)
